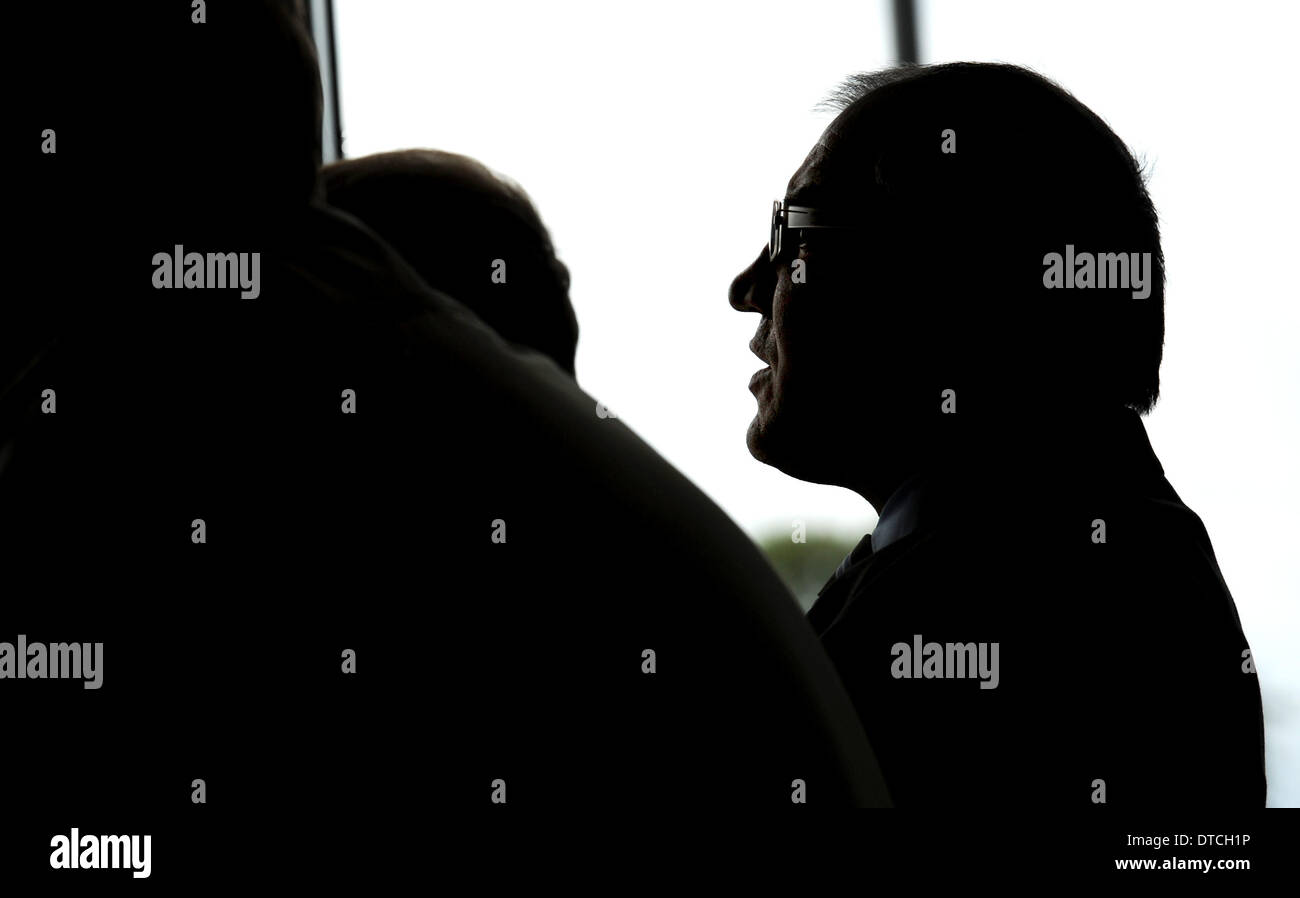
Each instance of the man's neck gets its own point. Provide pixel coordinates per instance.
(1097, 445)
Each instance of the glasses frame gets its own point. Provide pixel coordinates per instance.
(798, 218)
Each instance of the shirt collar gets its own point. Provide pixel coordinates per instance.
(1118, 448)
(902, 515)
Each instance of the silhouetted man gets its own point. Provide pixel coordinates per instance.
(962, 318)
(470, 233)
(353, 559)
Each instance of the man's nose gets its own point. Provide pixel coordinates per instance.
(751, 291)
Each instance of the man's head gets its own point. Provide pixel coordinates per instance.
(238, 116)
(452, 217)
(955, 182)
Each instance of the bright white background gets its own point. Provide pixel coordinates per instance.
(653, 138)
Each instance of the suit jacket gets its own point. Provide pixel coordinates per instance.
(499, 555)
(1123, 676)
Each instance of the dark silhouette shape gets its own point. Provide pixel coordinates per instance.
(451, 217)
(477, 659)
(1123, 661)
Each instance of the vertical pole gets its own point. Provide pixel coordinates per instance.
(320, 17)
(906, 48)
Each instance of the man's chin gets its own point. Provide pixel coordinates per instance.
(766, 445)
(756, 441)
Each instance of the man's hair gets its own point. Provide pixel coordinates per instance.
(1034, 170)
(450, 216)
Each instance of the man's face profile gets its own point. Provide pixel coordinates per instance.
(824, 334)
(788, 338)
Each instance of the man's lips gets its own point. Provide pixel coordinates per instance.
(756, 346)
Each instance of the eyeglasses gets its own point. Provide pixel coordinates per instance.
(798, 218)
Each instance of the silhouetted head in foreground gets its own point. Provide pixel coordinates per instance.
(239, 143)
(470, 233)
(953, 314)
